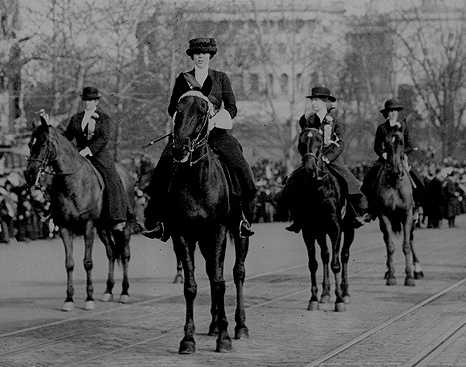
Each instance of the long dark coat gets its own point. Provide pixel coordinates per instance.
(116, 205)
(334, 150)
(452, 204)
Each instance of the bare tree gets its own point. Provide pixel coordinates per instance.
(432, 53)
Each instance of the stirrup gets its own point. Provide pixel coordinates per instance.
(245, 229)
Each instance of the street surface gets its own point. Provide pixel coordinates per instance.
(423, 325)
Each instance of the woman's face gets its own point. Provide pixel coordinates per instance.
(90, 104)
(201, 60)
(392, 115)
(318, 104)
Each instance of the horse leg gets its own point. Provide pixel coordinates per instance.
(386, 229)
(67, 238)
(179, 272)
(325, 256)
(105, 238)
(309, 241)
(122, 239)
(345, 251)
(239, 274)
(88, 244)
(409, 268)
(214, 266)
(186, 255)
(335, 238)
(418, 273)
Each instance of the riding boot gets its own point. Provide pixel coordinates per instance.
(157, 190)
(360, 207)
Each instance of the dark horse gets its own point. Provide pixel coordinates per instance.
(76, 205)
(322, 196)
(395, 208)
(201, 212)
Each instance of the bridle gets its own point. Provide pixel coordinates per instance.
(45, 163)
(199, 141)
(317, 157)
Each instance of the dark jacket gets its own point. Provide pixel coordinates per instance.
(221, 92)
(333, 150)
(116, 203)
(383, 130)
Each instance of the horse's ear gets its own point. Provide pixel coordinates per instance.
(207, 86)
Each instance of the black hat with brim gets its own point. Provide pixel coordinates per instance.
(322, 93)
(391, 105)
(202, 45)
(90, 93)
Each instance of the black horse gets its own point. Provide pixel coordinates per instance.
(395, 208)
(201, 212)
(76, 205)
(322, 213)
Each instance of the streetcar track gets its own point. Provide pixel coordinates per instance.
(121, 307)
(383, 325)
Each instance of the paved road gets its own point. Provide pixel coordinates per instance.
(283, 332)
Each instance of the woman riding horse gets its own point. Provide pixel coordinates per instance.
(332, 130)
(390, 113)
(223, 110)
(91, 130)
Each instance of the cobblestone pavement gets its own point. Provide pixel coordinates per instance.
(381, 327)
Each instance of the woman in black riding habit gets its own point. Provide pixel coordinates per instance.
(317, 115)
(201, 51)
(91, 129)
(390, 114)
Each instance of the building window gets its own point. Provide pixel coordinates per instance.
(270, 84)
(145, 54)
(284, 84)
(254, 83)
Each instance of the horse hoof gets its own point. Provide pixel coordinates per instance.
(340, 307)
(409, 282)
(418, 275)
(313, 306)
(187, 347)
(89, 305)
(68, 306)
(325, 299)
(213, 329)
(107, 297)
(178, 279)
(224, 346)
(391, 281)
(347, 300)
(241, 333)
(124, 298)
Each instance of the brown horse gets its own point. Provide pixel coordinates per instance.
(321, 197)
(202, 212)
(395, 208)
(76, 205)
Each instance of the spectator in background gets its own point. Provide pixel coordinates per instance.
(451, 196)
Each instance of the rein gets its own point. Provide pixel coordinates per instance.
(199, 141)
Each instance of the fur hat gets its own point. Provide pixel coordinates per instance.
(322, 93)
(202, 45)
(90, 93)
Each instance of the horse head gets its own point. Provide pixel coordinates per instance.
(42, 152)
(394, 147)
(310, 148)
(191, 122)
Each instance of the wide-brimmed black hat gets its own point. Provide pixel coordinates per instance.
(90, 93)
(321, 92)
(391, 105)
(202, 45)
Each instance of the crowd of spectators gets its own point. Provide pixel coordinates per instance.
(24, 213)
